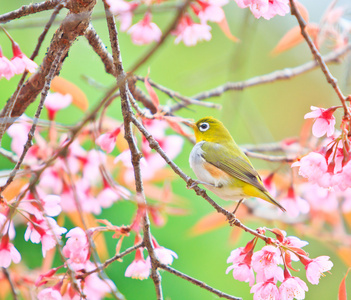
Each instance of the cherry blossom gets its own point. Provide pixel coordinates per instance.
(19, 134)
(324, 121)
(163, 254)
(191, 33)
(316, 267)
(49, 294)
(139, 268)
(241, 264)
(20, 61)
(294, 204)
(8, 253)
(210, 10)
(313, 166)
(77, 247)
(265, 8)
(45, 231)
(107, 141)
(319, 198)
(55, 102)
(49, 203)
(144, 32)
(292, 287)
(8, 227)
(265, 291)
(265, 263)
(7, 69)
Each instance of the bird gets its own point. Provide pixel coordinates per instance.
(222, 167)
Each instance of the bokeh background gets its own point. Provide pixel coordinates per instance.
(261, 114)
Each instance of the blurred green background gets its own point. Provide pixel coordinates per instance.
(261, 114)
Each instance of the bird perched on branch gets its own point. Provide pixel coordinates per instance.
(222, 167)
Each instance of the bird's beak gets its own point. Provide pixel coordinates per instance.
(189, 123)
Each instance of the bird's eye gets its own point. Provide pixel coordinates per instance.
(204, 126)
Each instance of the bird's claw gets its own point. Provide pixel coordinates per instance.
(232, 219)
(192, 184)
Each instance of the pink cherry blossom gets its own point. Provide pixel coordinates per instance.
(210, 10)
(265, 263)
(265, 291)
(49, 294)
(77, 247)
(55, 102)
(316, 267)
(20, 61)
(107, 197)
(7, 226)
(163, 254)
(343, 179)
(144, 32)
(8, 253)
(294, 204)
(292, 287)
(293, 241)
(313, 166)
(191, 33)
(45, 231)
(94, 286)
(320, 198)
(7, 69)
(107, 141)
(50, 204)
(241, 264)
(19, 134)
(139, 268)
(324, 121)
(265, 8)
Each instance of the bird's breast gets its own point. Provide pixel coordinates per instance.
(225, 186)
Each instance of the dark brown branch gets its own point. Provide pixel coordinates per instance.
(30, 9)
(198, 283)
(99, 47)
(318, 57)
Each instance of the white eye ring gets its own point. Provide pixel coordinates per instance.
(204, 126)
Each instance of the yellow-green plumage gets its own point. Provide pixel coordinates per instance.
(222, 166)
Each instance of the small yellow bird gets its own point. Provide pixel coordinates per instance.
(222, 167)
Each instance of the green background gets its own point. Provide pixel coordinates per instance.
(261, 114)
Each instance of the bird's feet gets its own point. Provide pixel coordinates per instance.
(232, 219)
(194, 183)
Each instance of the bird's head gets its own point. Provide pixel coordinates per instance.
(211, 130)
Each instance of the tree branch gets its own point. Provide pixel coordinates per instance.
(199, 283)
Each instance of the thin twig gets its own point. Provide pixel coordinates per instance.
(174, 94)
(318, 57)
(111, 260)
(13, 288)
(30, 9)
(135, 154)
(198, 282)
(284, 74)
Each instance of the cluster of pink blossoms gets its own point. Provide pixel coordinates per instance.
(266, 264)
(188, 31)
(265, 8)
(140, 268)
(17, 65)
(328, 168)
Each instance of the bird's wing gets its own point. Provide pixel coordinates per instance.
(228, 160)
